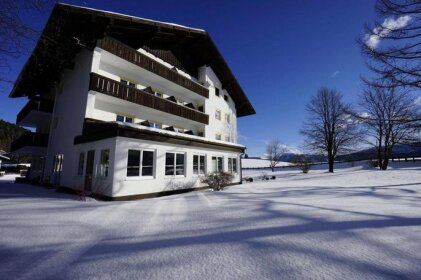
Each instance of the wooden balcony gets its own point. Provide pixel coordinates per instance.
(116, 89)
(30, 139)
(125, 52)
(34, 104)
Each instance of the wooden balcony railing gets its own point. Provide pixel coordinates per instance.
(35, 105)
(30, 139)
(125, 52)
(116, 89)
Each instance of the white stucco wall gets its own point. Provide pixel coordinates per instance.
(124, 185)
(209, 78)
(68, 116)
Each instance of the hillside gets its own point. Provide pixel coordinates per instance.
(8, 133)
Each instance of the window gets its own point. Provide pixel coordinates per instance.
(104, 163)
(226, 97)
(122, 118)
(228, 118)
(58, 163)
(174, 164)
(200, 108)
(140, 163)
(217, 164)
(218, 114)
(218, 137)
(155, 125)
(201, 134)
(227, 139)
(232, 165)
(81, 163)
(198, 165)
(217, 91)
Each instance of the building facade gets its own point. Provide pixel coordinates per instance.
(129, 108)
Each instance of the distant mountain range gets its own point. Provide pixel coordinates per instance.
(399, 151)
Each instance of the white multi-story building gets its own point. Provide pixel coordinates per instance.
(126, 107)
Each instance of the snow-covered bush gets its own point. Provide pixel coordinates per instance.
(217, 180)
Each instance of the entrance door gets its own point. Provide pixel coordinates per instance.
(89, 170)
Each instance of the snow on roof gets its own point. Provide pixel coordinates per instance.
(133, 17)
(179, 134)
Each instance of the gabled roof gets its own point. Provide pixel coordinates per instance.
(71, 28)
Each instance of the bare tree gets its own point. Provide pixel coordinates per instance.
(329, 129)
(390, 116)
(393, 46)
(16, 35)
(274, 151)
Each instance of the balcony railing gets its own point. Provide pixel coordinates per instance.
(35, 105)
(125, 52)
(30, 139)
(116, 89)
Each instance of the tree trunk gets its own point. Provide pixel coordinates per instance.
(385, 163)
(330, 161)
(379, 157)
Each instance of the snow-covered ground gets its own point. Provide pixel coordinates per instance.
(259, 163)
(354, 224)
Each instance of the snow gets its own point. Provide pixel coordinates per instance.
(134, 18)
(357, 223)
(259, 163)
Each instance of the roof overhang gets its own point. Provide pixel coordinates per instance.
(71, 28)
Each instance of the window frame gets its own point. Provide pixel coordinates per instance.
(217, 92)
(104, 166)
(232, 168)
(174, 165)
(218, 138)
(141, 165)
(218, 116)
(201, 161)
(125, 117)
(155, 124)
(217, 164)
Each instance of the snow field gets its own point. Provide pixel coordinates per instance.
(357, 223)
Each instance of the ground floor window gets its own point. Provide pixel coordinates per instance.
(217, 164)
(198, 164)
(232, 165)
(140, 163)
(81, 163)
(104, 163)
(174, 163)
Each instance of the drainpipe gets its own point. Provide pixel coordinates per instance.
(241, 168)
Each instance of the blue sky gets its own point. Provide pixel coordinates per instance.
(280, 51)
